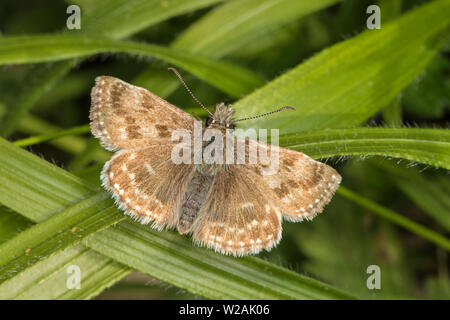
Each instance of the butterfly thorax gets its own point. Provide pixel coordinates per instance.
(221, 120)
(202, 180)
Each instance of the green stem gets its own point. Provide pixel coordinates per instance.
(51, 136)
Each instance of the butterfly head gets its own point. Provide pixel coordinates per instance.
(222, 118)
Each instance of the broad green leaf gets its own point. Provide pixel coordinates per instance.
(122, 18)
(216, 276)
(391, 9)
(238, 23)
(428, 146)
(230, 78)
(347, 83)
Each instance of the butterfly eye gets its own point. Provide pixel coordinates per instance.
(209, 120)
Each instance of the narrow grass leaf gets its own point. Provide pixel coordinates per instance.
(238, 23)
(48, 278)
(230, 78)
(428, 146)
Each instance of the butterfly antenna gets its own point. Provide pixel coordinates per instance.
(266, 114)
(189, 90)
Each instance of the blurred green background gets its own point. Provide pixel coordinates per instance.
(337, 246)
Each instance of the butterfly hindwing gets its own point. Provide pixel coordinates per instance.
(147, 185)
(124, 116)
(238, 218)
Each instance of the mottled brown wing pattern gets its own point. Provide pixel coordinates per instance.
(238, 218)
(124, 116)
(147, 185)
(301, 186)
(235, 209)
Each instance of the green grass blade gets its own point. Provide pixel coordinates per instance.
(347, 83)
(173, 259)
(236, 23)
(428, 146)
(57, 233)
(51, 136)
(241, 22)
(121, 18)
(47, 279)
(226, 278)
(230, 78)
(392, 114)
(11, 224)
(32, 125)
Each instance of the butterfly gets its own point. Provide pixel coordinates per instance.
(232, 208)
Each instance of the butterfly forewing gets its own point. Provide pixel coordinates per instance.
(124, 116)
(147, 185)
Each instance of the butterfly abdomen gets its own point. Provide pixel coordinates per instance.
(195, 197)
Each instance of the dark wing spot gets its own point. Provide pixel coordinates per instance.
(314, 178)
(282, 190)
(162, 131)
(317, 173)
(133, 132)
(288, 161)
(148, 102)
(130, 119)
(118, 110)
(292, 183)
